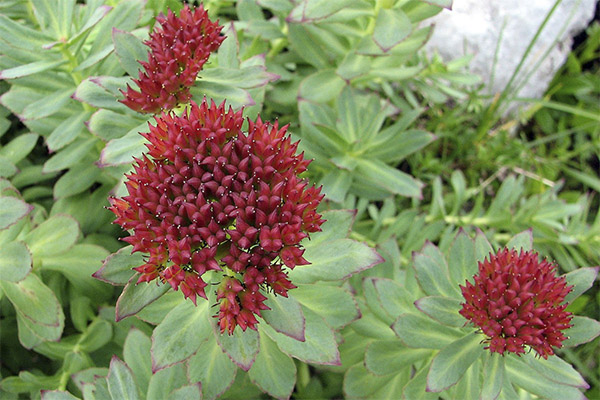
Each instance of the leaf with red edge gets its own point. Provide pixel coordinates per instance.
(241, 347)
(137, 296)
(285, 316)
(117, 269)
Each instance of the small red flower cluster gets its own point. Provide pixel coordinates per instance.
(516, 301)
(208, 196)
(178, 51)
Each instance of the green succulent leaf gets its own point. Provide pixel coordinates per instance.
(335, 260)
(77, 265)
(523, 241)
(493, 376)
(416, 388)
(15, 261)
(519, 373)
(584, 329)
(273, 371)
(421, 332)
(557, 370)
(391, 27)
(188, 392)
(137, 296)
(130, 50)
(43, 240)
(432, 273)
(12, 210)
(452, 362)
(39, 314)
(180, 334)
(212, 367)
(581, 279)
(285, 316)
(384, 357)
(462, 263)
(336, 305)
(319, 346)
(117, 269)
(442, 309)
(136, 354)
(165, 381)
(241, 347)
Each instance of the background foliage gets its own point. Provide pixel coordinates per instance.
(404, 139)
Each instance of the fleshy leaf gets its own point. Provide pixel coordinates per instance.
(180, 334)
(583, 330)
(188, 392)
(337, 225)
(273, 371)
(493, 376)
(15, 261)
(121, 384)
(137, 296)
(117, 268)
(336, 305)
(12, 210)
(582, 279)
(557, 370)
(520, 374)
(442, 309)
(453, 361)
(241, 347)
(432, 275)
(319, 346)
(523, 241)
(335, 260)
(462, 263)
(421, 332)
(285, 316)
(212, 367)
(391, 27)
(384, 357)
(165, 381)
(61, 229)
(129, 50)
(136, 353)
(483, 248)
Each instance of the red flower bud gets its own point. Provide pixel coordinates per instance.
(516, 301)
(196, 203)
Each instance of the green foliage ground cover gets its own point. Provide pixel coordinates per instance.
(426, 161)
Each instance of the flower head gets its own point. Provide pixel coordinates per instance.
(178, 51)
(516, 301)
(208, 196)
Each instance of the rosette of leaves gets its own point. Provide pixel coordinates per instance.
(429, 350)
(354, 152)
(317, 47)
(301, 326)
(43, 267)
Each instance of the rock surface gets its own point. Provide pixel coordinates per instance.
(479, 27)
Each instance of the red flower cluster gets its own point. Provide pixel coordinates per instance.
(208, 196)
(516, 302)
(178, 51)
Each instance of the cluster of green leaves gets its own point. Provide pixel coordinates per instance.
(416, 324)
(404, 139)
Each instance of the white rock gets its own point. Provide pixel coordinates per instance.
(479, 27)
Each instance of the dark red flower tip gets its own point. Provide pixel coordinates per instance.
(178, 50)
(208, 196)
(516, 302)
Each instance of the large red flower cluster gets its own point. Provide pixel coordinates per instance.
(178, 50)
(208, 196)
(516, 301)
